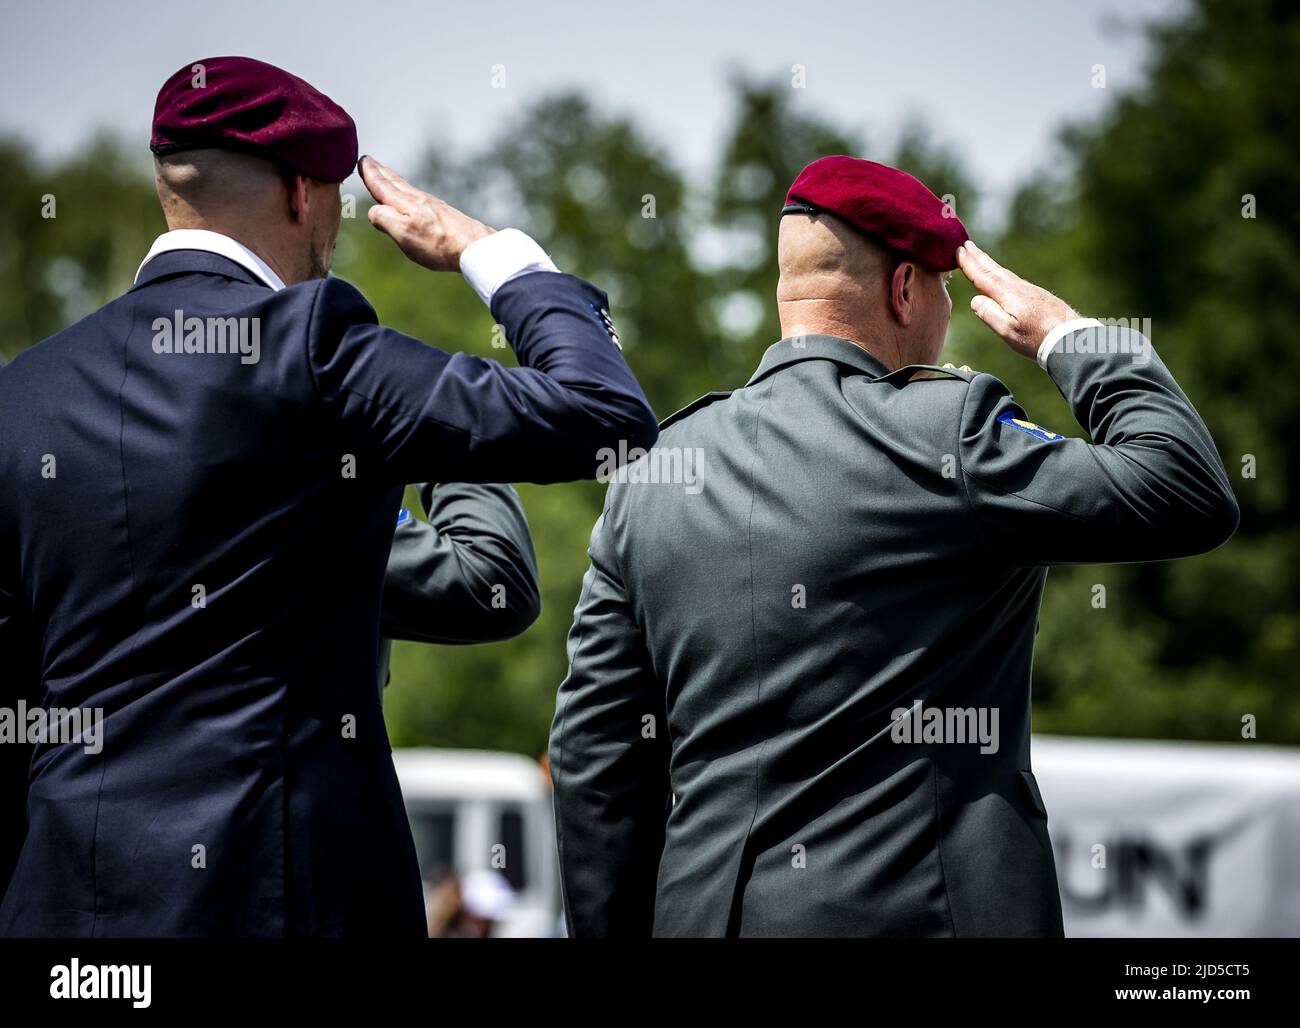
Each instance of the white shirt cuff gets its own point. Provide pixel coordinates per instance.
(1059, 333)
(491, 262)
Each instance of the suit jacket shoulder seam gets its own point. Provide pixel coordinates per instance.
(964, 473)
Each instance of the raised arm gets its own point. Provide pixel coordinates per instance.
(1150, 484)
(431, 415)
(468, 574)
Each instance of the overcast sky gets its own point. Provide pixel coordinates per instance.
(995, 78)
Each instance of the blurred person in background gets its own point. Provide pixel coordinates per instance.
(469, 907)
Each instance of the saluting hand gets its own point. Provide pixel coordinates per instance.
(1018, 311)
(430, 232)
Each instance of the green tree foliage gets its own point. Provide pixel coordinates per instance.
(612, 209)
(71, 236)
(1141, 216)
(769, 142)
(1152, 218)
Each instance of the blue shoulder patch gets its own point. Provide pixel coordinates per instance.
(403, 516)
(1037, 431)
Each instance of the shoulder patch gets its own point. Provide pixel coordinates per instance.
(403, 515)
(693, 406)
(1037, 431)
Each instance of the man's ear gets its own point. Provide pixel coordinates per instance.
(299, 197)
(902, 292)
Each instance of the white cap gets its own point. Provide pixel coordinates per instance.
(486, 894)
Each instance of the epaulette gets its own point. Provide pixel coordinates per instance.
(928, 372)
(692, 407)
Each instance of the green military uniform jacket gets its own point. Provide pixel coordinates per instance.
(467, 575)
(725, 750)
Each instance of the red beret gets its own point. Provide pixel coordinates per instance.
(883, 202)
(237, 103)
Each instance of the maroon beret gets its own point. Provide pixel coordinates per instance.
(883, 202)
(237, 103)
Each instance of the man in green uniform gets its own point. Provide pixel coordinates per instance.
(799, 688)
(467, 575)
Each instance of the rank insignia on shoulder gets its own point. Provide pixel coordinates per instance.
(1038, 431)
(403, 515)
(693, 406)
(602, 315)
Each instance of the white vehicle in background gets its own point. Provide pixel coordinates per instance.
(1150, 838)
(472, 810)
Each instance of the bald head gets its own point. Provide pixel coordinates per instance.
(835, 280)
(287, 219)
(216, 184)
(821, 257)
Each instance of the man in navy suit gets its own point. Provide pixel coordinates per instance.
(198, 490)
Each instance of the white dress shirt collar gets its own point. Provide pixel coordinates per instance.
(213, 242)
(487, 264)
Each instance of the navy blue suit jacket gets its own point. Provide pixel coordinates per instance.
(182, 546)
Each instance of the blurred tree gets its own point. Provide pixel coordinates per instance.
(610, 208)
(1177, 205)
(71, 236)
(768, 145)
